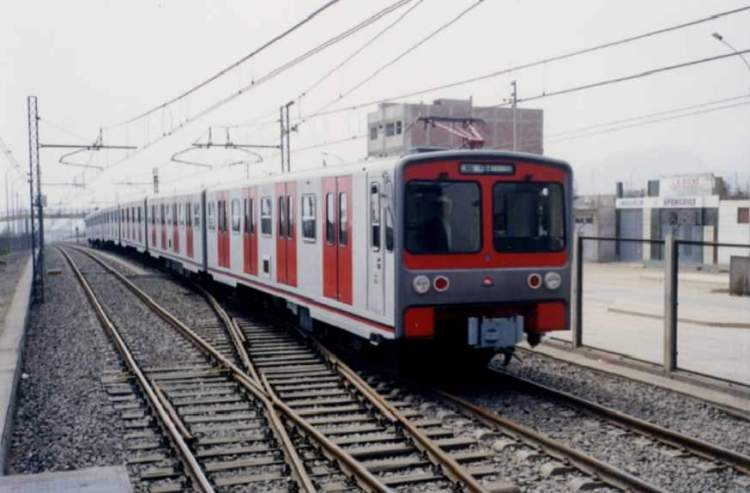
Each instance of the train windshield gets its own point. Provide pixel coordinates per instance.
(528, 217)
(443, 217)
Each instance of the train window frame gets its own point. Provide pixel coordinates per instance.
(480, 200)
(281, 220)
(526, 248)
(236, 216)
(188, 215)
(266, 216)
(330, 219)
(343, 218)
(290, 222)
(309, 217)
(197, 214)
(375, 217)
(211, 222)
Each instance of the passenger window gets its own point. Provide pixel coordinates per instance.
(375, 217)
(389, 230)
(265, 215)
(281, 232)
(289, 217)
(188, 215)
(330, 218)
(175, 216)
(343, 226)
(236, 215)
(196, 215)
(211, 221)
(308, 216)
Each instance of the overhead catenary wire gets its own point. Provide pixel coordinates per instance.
(401, 55)
(532, 64)
(235, 64)
(271, 75)
(625, 78)
(335, 68)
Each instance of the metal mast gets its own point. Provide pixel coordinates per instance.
(36, 202)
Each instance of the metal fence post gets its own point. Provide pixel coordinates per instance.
(671, 263)
(576, 310)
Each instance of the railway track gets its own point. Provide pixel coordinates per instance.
(386, 432)
(374, 442)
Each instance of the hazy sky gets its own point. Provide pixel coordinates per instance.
(96, 63)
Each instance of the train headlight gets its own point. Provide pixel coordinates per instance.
(421, 284)
(552, 280)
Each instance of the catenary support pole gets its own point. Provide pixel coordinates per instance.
(671, 263)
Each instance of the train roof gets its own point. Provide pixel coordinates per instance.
(367, 165)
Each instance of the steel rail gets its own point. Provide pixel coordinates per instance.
(350, 464)
(584, 462)
(448, 464)
(451, 468)
(192, 466)
(704, 449)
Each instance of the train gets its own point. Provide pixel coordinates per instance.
(464, 251)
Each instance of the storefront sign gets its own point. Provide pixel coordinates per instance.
(707, 201)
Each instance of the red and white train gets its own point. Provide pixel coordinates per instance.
(461, 249)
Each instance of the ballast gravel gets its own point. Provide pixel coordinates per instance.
(63, 417)
(672, 410)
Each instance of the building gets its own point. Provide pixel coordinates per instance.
(594, 215)
(396, 128)
(686, 206)
(734, 227)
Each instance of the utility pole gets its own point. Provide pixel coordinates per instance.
(156, 181)
(514, 103)
(36, 201)
(286, 131)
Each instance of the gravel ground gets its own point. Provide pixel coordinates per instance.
(637, 455)
(153, 342)
(669, 409)
(63, 418)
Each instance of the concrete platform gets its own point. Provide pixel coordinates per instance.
(12, 333)
(94, 480)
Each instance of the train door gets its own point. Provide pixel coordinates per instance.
(152, 220)
(249, 233)
(222, 231)
(175, 228)
(189, 229)
(163, 228)
(286, 238)
(337, 244)
(375, 249)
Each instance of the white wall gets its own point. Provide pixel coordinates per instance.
(730, 231)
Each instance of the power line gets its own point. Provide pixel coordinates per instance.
(401, 55)
(643, 116)
(272, 74)
(234, 65)
(535, 63)
(333, 70)
(625, 78)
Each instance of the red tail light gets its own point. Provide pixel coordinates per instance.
(441, 283)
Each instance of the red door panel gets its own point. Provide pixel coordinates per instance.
(189, 229)
(222, 231)
(330, 243)
(291, 239)
(281, 227)
(344, 203)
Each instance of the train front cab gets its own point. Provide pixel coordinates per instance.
(484, 250)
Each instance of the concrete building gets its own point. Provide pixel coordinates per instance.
(594, 215)
(734, 227)
(396, 128)
(685, 205)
